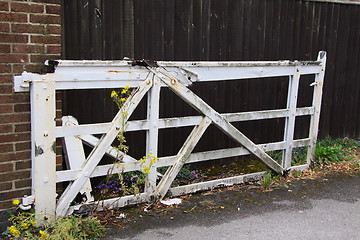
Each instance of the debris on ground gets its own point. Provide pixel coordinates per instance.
(174, 201)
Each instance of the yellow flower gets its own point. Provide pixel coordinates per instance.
(153, 160)
(14, 231)
(124, 91)
(25, 225)
(142, 160)
(43, 234)
(113, 94)
(126, 87)
(16, 202)
(146, 169)
(33, 223)
(122, 99)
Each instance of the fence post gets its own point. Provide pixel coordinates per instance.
(152, 134)
(43, 145)
(315, 118)
(290, 120)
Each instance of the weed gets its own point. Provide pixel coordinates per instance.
(268, 181)
(298, 156)
(335, 150)
(24, 226)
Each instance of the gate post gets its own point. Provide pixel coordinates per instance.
(43, 145)
(315, 118)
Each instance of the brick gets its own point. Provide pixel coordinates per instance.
(14, 98)
(42, 58)
(27, 28)
(6, 167)
(8, 108)
(53, 49)
(13, 17)
(45, 19)
(7, 118)
(15, 137)
(48, 39)
(23, 165)
(27, 7)
(14, 176)
(59, 167)
(53, 29)
(4, 148)
(5, 78)
(4, 69)
(13, 58)
(59, 159)
(4, 48)
(28, 48)
(58, 103)
(4, 6)
(5, 98)
(4, 27)
(33, 68)
(22, 146)
(21, 98)
(5, 186)
(13, 38)
(22, 107)
(25, 127)
(6, 89)
(23, 183)
(14, 156)
(14, 194)
(53, 9)
(58, 2)
(6, 128)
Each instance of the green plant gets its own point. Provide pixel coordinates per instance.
(332, 150)
(268, 181)
(298, 156)
(184, 174)
(120, 97)
(24, 226)
(327, 154)
(120, 184)
(74, 227)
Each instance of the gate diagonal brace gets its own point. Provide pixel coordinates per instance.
(101, 148)
(181, 158)
(198, 104)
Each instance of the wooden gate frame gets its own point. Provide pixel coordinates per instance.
(149, 77)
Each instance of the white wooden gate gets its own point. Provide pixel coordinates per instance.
(149, 78)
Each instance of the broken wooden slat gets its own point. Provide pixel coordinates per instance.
(75, 156)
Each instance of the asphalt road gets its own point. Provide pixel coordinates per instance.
(326, 208)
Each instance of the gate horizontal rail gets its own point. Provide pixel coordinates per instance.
(149, 78)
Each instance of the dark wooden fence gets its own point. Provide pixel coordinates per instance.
(223, 30)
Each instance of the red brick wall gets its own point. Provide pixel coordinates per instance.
(30, 33)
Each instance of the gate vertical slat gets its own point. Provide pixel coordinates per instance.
(290, 120)
(152, 134)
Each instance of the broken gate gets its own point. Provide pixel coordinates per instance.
(148, 78)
